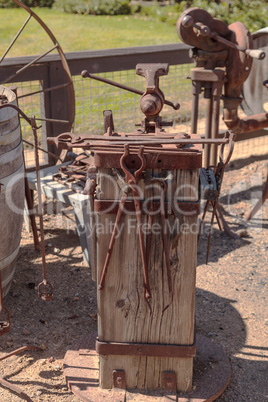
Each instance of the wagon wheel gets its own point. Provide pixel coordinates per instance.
(60, 115)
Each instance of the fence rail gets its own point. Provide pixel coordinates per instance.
(93, 97)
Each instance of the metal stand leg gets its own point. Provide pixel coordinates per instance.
(31, 214)
(259, 203)
(223, 224)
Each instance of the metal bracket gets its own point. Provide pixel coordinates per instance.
(4, 327)
(120, 386)
(169, 385)
(145, 349)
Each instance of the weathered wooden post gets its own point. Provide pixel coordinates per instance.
(146, 341)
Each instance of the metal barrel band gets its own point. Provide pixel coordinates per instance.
(145, 349)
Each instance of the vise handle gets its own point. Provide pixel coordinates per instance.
(86, 74)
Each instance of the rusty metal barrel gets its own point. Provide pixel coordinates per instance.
(12, 188)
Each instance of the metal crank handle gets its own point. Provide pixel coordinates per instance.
(86, 74)
(204, 30)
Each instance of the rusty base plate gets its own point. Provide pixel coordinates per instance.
(212, 371)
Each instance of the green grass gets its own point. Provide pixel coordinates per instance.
(80, 32)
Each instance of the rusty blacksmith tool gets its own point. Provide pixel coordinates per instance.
(131, 180)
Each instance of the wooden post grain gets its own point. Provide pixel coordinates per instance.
(123, 315)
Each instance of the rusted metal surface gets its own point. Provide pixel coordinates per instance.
(108, 121)
(154, 160)
(13, 388)
(88, 142)
(216, 45)
(212, 371)
(145, 349)
(163, 186)
(246, 124)
(153, 99)
(169, 386)
(197, 16)
(152, 149)
(86, 74)
(223, 57)
(211, 79)
(120, 385)
(198, 28)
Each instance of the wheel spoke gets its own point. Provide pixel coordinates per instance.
(28, 65)
(52, 120)
(43, 150)
(15, 38)
(44, 90)
(70, 113)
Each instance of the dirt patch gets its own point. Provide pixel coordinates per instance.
(230, 309)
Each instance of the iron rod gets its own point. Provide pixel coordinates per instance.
(142, 142)
(29, 64)
(216, 96)
(52, 120)
(22, 349)
(86, 74)
(139, 141)
(43, 150)
(13, 388)
(45, 90)
(196, 89)
(207, 147)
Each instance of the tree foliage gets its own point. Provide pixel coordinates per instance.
(253, 13)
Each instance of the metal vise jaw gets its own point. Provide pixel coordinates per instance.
(153, 99)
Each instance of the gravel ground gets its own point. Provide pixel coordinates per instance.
(230, 309)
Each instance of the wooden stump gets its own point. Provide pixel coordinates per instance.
(123, 315)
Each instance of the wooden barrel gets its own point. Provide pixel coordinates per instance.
(12, 188)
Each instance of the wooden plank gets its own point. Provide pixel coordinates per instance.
(97, 61)
(123, 315)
